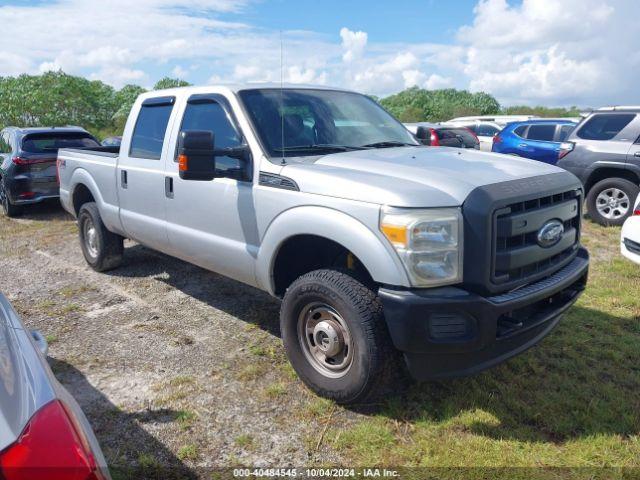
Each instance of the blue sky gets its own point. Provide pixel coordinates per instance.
(548, 52)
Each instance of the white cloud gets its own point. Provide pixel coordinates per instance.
(180, 72)
(353, 44)
(534, 51)
(574, 51)
(436, 81)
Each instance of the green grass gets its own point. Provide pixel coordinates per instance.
(572, 401)
(188, 452)
(244, 440)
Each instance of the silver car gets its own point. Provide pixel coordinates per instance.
(43, 432)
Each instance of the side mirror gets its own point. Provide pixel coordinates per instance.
(196, 155)
(423, 134)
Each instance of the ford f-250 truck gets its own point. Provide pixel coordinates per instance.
(382, 250)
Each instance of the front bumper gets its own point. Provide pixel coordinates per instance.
(449, 332)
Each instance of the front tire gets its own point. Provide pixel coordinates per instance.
(610, 201)
(336, 338)
(102, 249)
(8, 208)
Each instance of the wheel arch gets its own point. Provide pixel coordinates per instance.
(603, 172)
(332, 227)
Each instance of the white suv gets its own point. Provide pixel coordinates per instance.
(630, 238)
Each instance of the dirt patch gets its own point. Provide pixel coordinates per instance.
(172, 364)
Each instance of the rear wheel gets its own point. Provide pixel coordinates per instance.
(336, 338)
(102, 249)
(8, 208)
(610, 201)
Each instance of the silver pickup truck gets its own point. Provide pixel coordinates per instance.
(383, 251)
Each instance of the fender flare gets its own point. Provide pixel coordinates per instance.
(605, 164)
(109, 213)
(378, 258)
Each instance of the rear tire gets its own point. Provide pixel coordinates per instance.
(8, 208)
(102, 249)
(336, 338)
(610, 201)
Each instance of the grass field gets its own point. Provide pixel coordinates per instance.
(572, 401)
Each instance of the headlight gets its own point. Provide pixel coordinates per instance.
(429, 242)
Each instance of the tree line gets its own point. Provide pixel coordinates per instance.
(57, 99)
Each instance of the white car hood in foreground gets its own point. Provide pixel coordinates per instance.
(410, 176)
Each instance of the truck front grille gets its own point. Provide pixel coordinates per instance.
(517, 253)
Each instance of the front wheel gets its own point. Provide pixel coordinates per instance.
(336, 338)
(610, 201)
(102, 249)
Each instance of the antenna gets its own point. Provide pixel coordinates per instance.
(282, 99)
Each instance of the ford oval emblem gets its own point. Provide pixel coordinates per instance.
(550, 233)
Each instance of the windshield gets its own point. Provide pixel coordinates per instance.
(321, 121)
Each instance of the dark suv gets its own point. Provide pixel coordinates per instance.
(603, 151)
(28, 163)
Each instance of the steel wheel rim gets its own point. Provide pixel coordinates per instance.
(613, 203)
(90, 237)
(325, 340)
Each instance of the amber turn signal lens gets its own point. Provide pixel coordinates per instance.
(182, 163)
(396, 234)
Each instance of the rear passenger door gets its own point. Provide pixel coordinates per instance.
(541, 146)
(140, 174)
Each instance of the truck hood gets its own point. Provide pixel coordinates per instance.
(410, 176)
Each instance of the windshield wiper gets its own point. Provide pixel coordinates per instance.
(323, 147)
(389, 144)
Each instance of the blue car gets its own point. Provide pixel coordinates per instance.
(536, 139)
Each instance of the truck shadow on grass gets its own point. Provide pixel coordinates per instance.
(45, 211)
(234, 298)
(583, 380)
(130, 451)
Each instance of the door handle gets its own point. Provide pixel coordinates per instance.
(637, 154)
(523, 145)
(168, 187)
(123, 178)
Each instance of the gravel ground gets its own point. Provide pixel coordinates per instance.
(173, 365)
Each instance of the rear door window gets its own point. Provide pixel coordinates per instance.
(150, 129)
(486, 130)
(564, 131)
(456, 137)
(5, 144)
(520, 131)
(542, 133)
(604, 126)
(52, 142)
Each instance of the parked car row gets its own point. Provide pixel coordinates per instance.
(602, 150)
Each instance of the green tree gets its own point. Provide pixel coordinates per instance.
(541, 111)
(55, 99)
(416, 104)
(168, 82)
(125, 99)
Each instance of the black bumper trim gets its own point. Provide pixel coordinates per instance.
(496, 328)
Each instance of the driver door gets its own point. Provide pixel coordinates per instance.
(212, 223)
